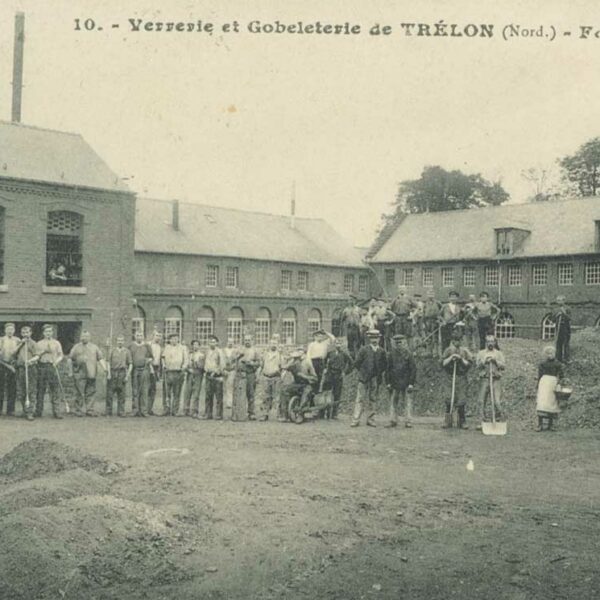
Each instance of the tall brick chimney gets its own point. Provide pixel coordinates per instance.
(17, 80)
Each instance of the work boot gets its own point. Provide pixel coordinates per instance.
(408, 425)
(29, 417)
(371, 423)
(57, 416)
(354, 424)
(391, 424)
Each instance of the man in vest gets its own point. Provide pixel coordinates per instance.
(84, 360)
(51, 354)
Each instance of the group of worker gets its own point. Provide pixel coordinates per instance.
(380, 341)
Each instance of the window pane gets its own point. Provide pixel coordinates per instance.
(64, 261)
(212, 276)
(539, 275)
(348, 283)
(363, 284)
(469, 276)
(172, 325)
(565, 274)
(592, 273)
(286, 280)
(234, 330)
(447, 276)
(514, 275)
(262, 331)
(408, 277)
(491, 276)
(303, 280)
(204, 328)
(427, 277)
(288, 331)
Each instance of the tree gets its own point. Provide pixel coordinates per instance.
(544, 184)
(582, 169)
(440, 190)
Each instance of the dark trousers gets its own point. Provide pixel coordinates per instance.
(250, 391)
(8, 390)
(139, 390)
(174, 381)
(353, 338)
(318, 365)
(485, 325)
(563, 339)
(380, 326)
(47, 380)
(336, 384)
(446, 334)
(151, 396)
(26, 387)
(86, 392)
(115, 386)
(403, 325)
(191, 400)
(214, 394)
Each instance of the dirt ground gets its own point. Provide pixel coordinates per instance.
(273, 511)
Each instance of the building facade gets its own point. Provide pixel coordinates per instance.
(66, 235)
(201, 270)
(523, 255)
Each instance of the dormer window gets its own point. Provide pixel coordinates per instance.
(504, 241)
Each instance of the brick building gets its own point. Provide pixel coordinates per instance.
(66, 235)
(201, 269)
(524, 255)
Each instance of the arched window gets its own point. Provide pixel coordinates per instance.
(173, 322)
(205, 325)
(505, 326)
(336, 322)
(64, 261)
(548, 328)
(2, 227)
(314, 321)
(262, 327)
(288, 326)
(235, 324)
(138, 321)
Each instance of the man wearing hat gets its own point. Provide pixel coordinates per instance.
(337, 364)
(401, 374)
(8, 381)
(120, 366)
(141, 372)
(561, 317)
(431, 321)
(318, 350)
(269, 379)
(450, 315)
(248, 363)
(304, 377)
(175, 360)
(155, 371)
(490, 359)
(84, 360)
(486, 314)
(214, 366)
(351, 320)
(456, 362)
(50, 353)
(370, 364)
(26, 358)
(402, 307)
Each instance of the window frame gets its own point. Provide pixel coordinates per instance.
(286, 280)
(70, 256)
(536, 280)
(514, 276)
(302, 280)
(560, 272)
(587, 277)
(208, 280)
(348, 283)
(470, 270)
(447, 271)
(229, 270)
(201, 335)
(488, 271)
(427, 277)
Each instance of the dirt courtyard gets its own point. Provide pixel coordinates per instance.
(319, 510)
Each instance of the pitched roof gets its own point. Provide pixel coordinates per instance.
(50, 156)
(216, 231)
(556, 229)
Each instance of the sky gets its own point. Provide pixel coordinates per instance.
(235, 119)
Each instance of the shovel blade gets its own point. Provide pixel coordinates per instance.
(497, 428)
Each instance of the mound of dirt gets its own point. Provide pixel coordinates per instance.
(85, 543)
(49, 491)
(39, 457)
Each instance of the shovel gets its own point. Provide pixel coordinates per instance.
(450, 417)
(495, 427)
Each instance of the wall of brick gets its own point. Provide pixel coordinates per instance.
(108, 241)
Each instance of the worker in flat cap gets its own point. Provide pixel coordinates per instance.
(51, 354)
(214, 367)
(8, 382)
(318, 350)
(247, 364)
(351, 321)
(370, 365)
(450, 314)
(304, 378)
(401, 375)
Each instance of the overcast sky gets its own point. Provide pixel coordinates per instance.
(233, 120)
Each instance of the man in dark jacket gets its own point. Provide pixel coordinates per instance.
(401, 374)
(337, 363)
(370, 364)
(561, 317)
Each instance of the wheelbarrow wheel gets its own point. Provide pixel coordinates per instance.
(295, 410)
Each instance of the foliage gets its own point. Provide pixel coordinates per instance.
(582, 169)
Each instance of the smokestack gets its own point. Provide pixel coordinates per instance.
(175, 222)
(293, 207)
(17, 79)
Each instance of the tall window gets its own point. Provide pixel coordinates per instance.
(363, 284)
(565, 274)
(303, 281)
(592, 273)
(408, 277)
(427, 277)
(173, 322)
(548, 328)
(491, 276)
(539, 274)
(212, 276)
(262, 327)
(288, 326)
(205, 325)
(235, 325)
(503, 241)
(469, 276)
(64, 261)
(2, 227)
(348, 283)
(505, 326)
(314, 322)
(232, 277)
(514, 275)
(447, 276)
(390, 276)
(286, 281)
